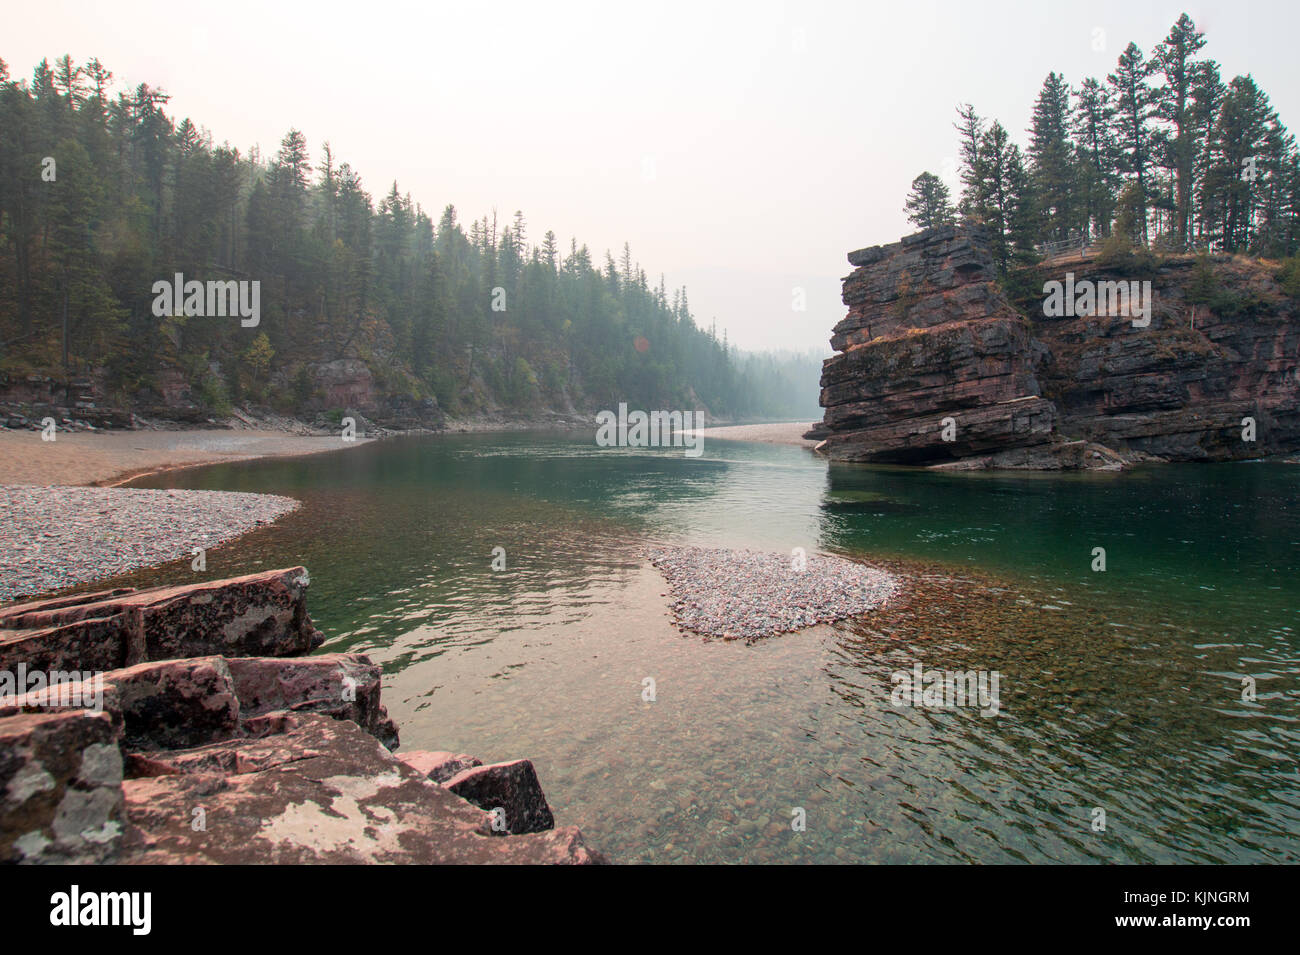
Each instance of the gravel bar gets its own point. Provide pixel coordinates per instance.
(745, 594)
(57, 537)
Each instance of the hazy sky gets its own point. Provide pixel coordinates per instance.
(741, 148)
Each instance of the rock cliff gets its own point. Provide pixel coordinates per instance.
(937, 366)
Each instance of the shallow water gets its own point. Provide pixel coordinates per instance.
(1120, 690)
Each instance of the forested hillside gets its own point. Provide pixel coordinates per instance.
(102, 194)
(1161, 153)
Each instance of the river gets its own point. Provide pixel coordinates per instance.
(1125, 692)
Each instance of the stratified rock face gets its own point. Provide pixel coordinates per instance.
(1180, 389)
(928, 338)
(937, 367)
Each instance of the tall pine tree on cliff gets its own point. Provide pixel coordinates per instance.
(1096, 176)
(1134, 106)
(1051, 153)
(1174, 60)
(928, 204)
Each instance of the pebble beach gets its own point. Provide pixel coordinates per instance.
(748, 595)
(57, 537)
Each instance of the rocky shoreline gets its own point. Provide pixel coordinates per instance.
(190, 725)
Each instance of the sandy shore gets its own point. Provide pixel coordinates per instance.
(111, 457)
(784, 432)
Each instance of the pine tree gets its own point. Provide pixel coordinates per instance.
(1096, 176)
(1051, 154)
(1134, 104)
(928, 204)
(970, 128)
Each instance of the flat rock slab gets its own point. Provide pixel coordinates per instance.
(263, 614)
(745, 594)
(323, 792)
(56, 537)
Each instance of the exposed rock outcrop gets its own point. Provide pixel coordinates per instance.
(936, 366)
(322, 791)
(261, 614)
(190, 750)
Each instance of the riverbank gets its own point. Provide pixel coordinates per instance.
(107, 458)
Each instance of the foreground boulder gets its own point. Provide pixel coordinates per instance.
(219, 756)
(342, 685)
(321, 792)
(261, 614)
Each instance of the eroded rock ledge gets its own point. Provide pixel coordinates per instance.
(206, 735)
(929, 336)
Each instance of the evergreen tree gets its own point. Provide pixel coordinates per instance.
(1174, 103)
(928, 204)
(1051, 154)
(1096, 173)
(1134, 106)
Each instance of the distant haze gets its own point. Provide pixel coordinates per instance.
(741, 149)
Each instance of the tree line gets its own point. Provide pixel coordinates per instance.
(1161, 153)
(103, 194)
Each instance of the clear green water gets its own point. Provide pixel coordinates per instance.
(1120, 690)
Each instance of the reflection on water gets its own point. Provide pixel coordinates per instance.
(1119, 690)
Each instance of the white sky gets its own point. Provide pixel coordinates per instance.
(779, 135)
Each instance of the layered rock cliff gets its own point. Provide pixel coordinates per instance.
(937, 366)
